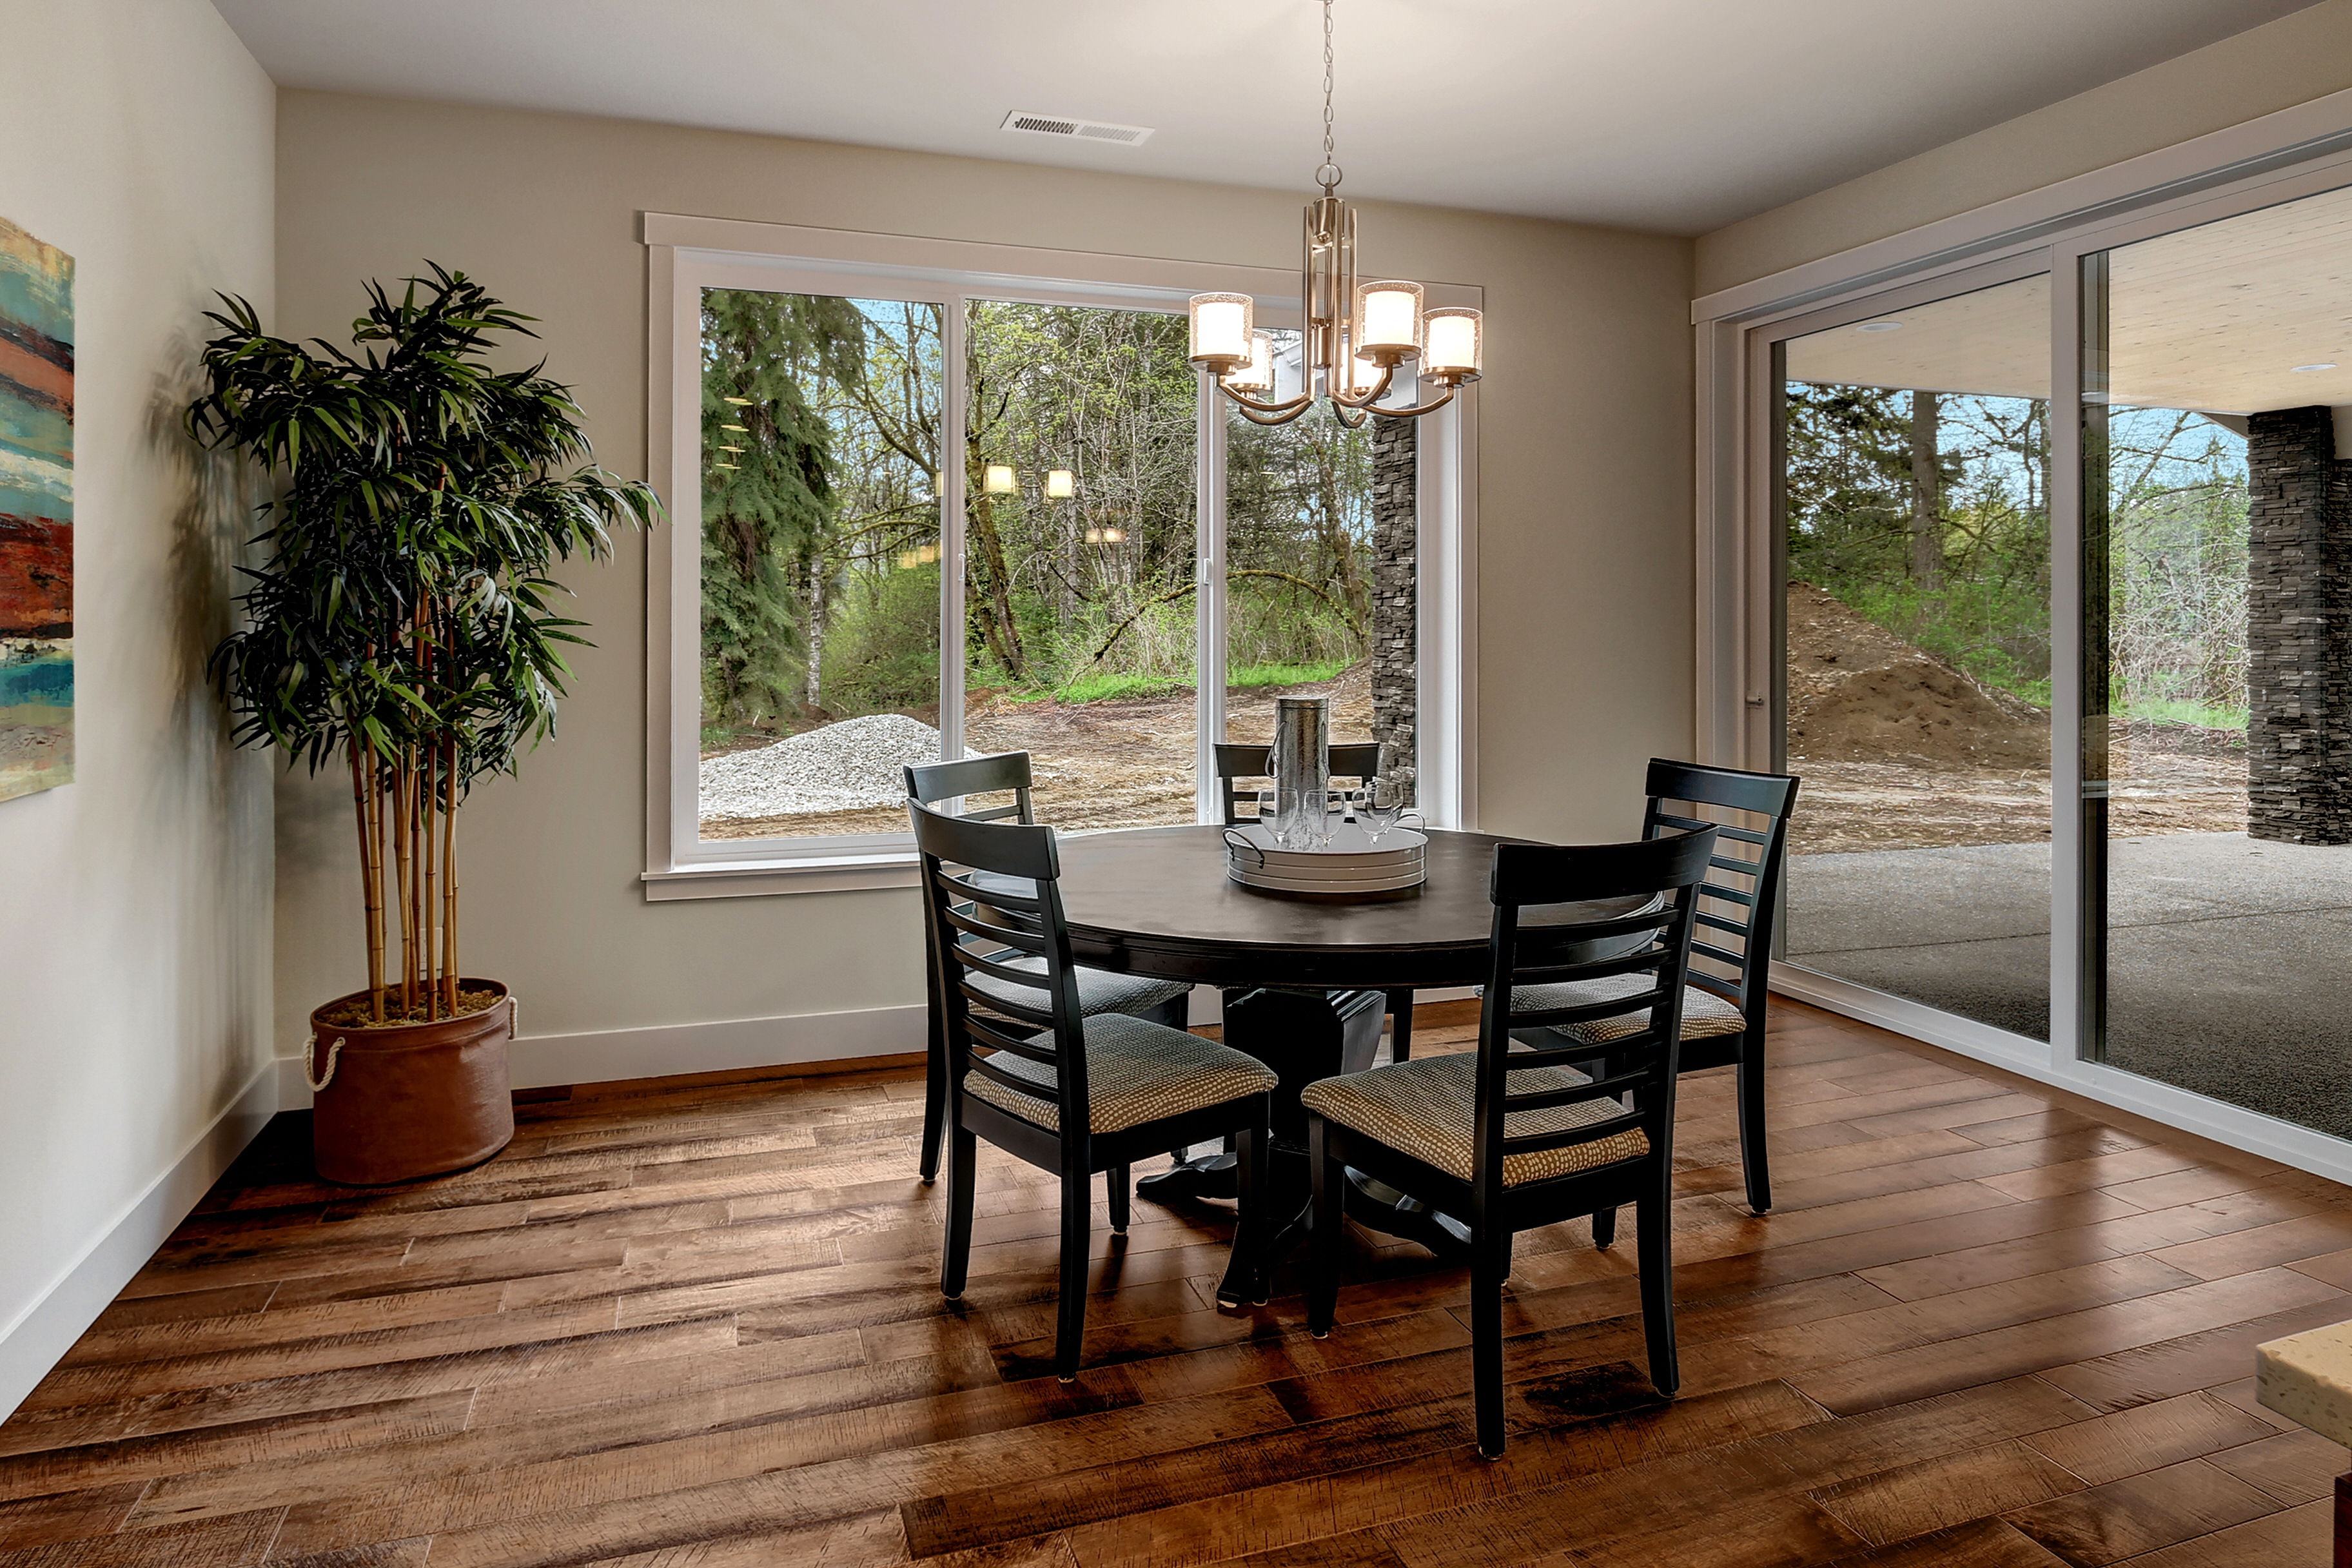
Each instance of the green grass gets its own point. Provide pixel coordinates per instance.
(2173, 710)
(1287, 674)
(1108, 687)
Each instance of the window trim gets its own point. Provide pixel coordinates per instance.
(684, 254)
(2279, 158)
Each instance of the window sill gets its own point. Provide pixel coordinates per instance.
(763, 878)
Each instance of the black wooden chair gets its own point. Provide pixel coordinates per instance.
(1099, 991)
(1724, 1013)
(1066, 1092)
(1355, 760)
(1508, 1137)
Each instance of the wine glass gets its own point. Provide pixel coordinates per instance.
(1385, 798)
(1266, 816)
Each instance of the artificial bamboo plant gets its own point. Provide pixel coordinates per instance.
(400, 625)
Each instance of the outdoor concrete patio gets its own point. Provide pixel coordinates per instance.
(2227, 956)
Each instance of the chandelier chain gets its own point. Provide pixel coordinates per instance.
(1328, 174)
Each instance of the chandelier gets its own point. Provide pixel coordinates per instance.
(1358, 335)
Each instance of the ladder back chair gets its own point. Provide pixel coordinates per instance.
(1066, 1092)
(1099, 991)
(1358, 760)
(1723, 1013)
(1509, 1137)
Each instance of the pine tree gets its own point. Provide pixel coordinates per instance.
(768, 511)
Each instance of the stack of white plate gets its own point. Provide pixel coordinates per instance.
(1354, 864)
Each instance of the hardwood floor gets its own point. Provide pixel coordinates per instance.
(696, 1321)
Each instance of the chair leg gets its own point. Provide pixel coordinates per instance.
(1604, 1222)
(1323, 1258)
(935, 1100)
(1400, 1025)
(1070, 1333)
(1121, 1190)
(1489, 1263)
(1651, 1221)
(956, 1263)
(1752, 1157)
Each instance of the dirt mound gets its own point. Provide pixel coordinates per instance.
(1857, 692)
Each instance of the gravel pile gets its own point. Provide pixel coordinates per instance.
(841, 767)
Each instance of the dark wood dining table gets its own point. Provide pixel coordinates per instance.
(1302, 977)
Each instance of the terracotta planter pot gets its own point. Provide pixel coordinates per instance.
(411, 1100)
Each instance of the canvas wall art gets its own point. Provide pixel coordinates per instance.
(37, 380)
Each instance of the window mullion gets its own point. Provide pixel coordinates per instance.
(1209, 600)
(953, 326)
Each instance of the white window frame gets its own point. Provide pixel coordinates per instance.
(2278, 158)
(687, 255)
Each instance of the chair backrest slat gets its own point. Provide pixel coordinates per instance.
(932, 782)
(1687, 797)
(1239, 760)
(1666, 873)
(966, 942)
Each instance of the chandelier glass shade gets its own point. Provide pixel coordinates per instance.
(1358, 337)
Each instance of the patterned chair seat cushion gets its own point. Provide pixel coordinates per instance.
(1705, 1014)
(1426, 1108)
(1137, 1071)
(1100, 990)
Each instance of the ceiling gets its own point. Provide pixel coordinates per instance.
(1675, 116)
(2216, 318)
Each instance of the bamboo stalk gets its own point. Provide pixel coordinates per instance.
(432, 884)
(376, 872)
(449, 873)
(416, 850)
(368, 884)
(403, 822)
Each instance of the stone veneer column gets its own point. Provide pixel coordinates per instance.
(2299, 629)
(1396, 603)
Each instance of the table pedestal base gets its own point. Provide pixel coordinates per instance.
(1303, 1036)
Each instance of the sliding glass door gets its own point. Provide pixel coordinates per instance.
(2049, 592)
(2217, 657)
(1912, 450)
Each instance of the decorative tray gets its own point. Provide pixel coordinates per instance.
(1352, 867)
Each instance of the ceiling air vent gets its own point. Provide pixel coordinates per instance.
(1082, 130)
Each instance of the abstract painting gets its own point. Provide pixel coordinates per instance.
(37, 380)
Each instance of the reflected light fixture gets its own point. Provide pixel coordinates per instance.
(741, 401)
(1105, 536)
(1880, 327)
(1358, 336)
(998, 480)
(1061, 484)
(2307, 369)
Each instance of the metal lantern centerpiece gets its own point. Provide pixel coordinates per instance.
(1299, 852)
(1358, 335)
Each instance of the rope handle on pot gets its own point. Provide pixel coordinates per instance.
(334, 1051)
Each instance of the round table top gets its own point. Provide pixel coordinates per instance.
(1157, 901)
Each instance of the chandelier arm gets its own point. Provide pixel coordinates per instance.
(1247, 402)
(1366, 399)
(1418, 409)
(1289, 413)
(1340, 413)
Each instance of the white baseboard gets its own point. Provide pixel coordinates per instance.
(659, 1050)
(600, 1056)
(43, 1331)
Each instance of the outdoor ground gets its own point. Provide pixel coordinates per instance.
(1117, 763)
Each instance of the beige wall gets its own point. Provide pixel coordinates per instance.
(2277, 66)
(134, 902)
(1584, 510)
